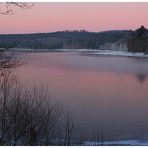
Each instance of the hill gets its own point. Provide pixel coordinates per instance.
(63, 39)
(124, 40)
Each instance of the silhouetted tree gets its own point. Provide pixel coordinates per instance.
(140, 31)
(69, 129)
(139, 40)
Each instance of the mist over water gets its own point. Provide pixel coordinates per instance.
(105, 92)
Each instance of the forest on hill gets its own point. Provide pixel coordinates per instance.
(114, 39)
(62, 39)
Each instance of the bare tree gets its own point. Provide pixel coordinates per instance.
(27, 117)
(8, 8)
(70, 129)
(9, 62)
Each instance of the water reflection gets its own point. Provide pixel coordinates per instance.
(141, 77)
(104, 90)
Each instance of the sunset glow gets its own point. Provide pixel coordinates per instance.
(50, 17)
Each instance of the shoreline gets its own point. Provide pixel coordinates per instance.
(117, 53)
(87, 52)
(129, 142)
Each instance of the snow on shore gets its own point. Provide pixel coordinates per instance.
(117, 53)
(120, 142)
(90, 52)
(106, 52)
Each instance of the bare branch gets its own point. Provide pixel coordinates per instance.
(8, 8)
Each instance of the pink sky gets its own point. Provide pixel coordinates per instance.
(50, 17)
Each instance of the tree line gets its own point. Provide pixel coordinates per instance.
(62, 39)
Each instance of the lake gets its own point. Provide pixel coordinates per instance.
(102, 92)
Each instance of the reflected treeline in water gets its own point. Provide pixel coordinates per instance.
(141, 77)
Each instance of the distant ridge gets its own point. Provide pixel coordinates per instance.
(82, 39)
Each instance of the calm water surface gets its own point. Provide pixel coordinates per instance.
(110, 93)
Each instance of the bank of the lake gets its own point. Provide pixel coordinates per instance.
(86, 51)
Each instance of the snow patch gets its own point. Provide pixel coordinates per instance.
(120, 142)
(118, 53)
